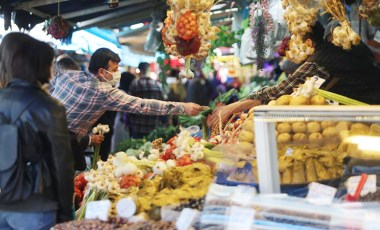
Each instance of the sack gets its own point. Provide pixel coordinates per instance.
(17, 177)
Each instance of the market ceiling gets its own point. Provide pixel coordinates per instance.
(83, 14)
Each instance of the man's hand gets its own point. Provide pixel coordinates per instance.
(96, 139)
(225, 113)
(192, 109)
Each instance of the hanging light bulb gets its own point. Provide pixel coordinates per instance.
(113, 3)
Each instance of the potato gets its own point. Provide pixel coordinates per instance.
(330, 132)
(343, 125)
(284, 127)
(283, 100)
(246, 136)
(325, 124)
(248, 125)
(360, 127)
(300, 138)
(272, 102)
(318, 100)
(313, 127)
(316, 139)
(375, 129)
(284, 138)
(299, 100)
(299, 127)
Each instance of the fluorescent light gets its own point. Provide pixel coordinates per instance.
(137, 26)
(216, 12)
(366, 143)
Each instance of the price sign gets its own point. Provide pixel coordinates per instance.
(320, 193)
(369, 186)
(186, 218)
(240, 218)
(98, 210)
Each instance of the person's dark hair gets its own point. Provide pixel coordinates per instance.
(9, 44)
(143, 67)
(100, 59)
(126, 80)
(65, 63)
(316, 34)
(26, 58)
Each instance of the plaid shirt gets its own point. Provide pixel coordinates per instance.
(308, 69)
(140, 124)
(86, 99)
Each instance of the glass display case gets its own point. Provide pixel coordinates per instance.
(301, 144)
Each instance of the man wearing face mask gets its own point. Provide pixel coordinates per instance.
(87, 97)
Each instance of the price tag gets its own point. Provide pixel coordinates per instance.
(289, 152)
(98, 210)
(186, 218)
(369, 186)
(240, 218)
(125, 207)
(320, 193)
(318, 82)
(243, 194)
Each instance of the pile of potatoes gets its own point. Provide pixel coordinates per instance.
(299, 100)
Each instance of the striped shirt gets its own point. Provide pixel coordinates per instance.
(86, 99)
(308, 69)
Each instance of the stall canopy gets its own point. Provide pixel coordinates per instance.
(86, 14)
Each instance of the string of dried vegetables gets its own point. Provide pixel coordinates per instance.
(261, 25)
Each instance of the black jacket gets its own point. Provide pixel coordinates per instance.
(44, 131)
(353, 70)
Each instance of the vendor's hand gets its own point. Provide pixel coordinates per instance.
(225, 113)
(96, 139)
(192, 109)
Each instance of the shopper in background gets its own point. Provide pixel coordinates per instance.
(26, 64)
(350, 73)
(140, 125)
(199, 89)
(121, 124)
(63, 64)
(86, 97)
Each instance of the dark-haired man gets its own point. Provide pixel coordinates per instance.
(86, 97)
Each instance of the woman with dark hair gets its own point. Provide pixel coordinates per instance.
(43, 139)
(351, 73)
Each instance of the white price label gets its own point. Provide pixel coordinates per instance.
(369, 186)
(240, 218)
(289, 152)
(243, 194)
(318, 82)
(320, 193)
(98, 210)
(186, 218)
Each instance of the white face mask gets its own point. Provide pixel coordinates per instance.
(115, 78)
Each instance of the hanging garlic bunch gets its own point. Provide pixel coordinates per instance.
(344, 36)
(298, 50)
(299, 20)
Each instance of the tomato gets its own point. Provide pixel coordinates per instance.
(128, 181)
(184, 160)
(168, 154)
